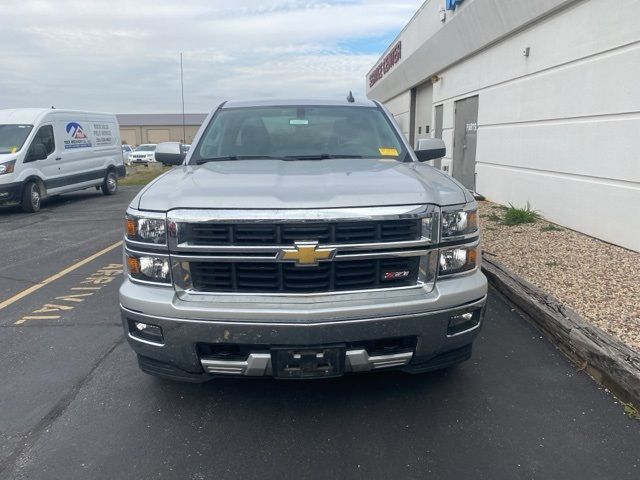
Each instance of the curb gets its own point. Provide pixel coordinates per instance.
(610, 362)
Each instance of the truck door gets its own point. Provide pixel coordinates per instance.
(77, 150)
(50, 169)
(464, 141)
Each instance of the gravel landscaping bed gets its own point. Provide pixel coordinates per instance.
(598, 280)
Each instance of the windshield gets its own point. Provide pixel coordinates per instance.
(299, 132)
(12, 137)
(146, 148)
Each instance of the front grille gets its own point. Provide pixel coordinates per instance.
(262, 277)
(244, 234)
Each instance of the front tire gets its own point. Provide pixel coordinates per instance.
(31, 198)
(110, 184)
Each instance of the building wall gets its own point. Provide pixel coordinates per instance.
(136, 135)
(560, 128)
(400, 106)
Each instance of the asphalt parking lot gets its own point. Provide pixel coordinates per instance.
(73, 404)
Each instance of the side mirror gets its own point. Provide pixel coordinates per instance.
(37, 152)
(430, 149)
(170, 153)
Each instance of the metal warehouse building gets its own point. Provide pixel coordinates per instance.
(537, 101)
(136, 129)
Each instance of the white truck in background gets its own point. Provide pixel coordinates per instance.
(46, 152)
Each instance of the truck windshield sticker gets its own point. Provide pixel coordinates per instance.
(298, 121)
(388, 151)
(77, 136)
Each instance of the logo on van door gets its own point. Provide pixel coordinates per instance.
(77, 137)
(75, 130)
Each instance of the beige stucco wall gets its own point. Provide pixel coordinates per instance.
(156, 133)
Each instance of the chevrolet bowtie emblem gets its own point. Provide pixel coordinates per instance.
(306, 254)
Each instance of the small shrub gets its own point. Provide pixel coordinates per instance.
(631, 410)
(552, 263)
(518, 216)
(550, 228)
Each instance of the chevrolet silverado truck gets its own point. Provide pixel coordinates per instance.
(301, 239)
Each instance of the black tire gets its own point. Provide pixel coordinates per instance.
(31, 198)
(110, 184)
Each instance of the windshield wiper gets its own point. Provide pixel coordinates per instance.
(289, 158)
(322, 156)
(238, 157)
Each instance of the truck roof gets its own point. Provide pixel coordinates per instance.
(30, 116)
(297, 102)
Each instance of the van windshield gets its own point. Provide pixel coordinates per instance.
(12, 137)
(299, 133)
(146, 148)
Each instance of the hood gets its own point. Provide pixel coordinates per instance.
(276, 184)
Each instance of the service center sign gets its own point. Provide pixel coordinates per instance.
(387, 63)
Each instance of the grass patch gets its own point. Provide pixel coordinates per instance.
(493, 217)
(142, 176)
(518, 216)
(631, 410)
(552, 263)
(550, 228)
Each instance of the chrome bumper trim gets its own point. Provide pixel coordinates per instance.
(259, 364)
(360, 361)
(256, 365)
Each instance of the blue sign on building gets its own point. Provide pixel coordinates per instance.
(452, 4)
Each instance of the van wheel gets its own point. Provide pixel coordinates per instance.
(31, 198)
(110, 184)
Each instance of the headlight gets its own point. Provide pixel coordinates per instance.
(8, 167)
(149, 268)
(459, 223)
(148, 230)
(458, 259)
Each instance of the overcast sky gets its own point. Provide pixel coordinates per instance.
(122, 56)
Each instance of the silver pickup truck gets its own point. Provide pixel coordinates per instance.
(301, 239)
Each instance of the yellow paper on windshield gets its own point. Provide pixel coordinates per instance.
(14, 149)
(388, 151)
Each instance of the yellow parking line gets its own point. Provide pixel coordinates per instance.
(58, 275)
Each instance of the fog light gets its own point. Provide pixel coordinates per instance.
(146, 331)
(463, 322)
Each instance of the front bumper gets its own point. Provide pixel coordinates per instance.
(10, 192)
(335, 320)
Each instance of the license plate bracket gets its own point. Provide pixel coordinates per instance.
(308, 362)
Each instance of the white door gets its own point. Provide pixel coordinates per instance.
(82, 164)
(51, 168)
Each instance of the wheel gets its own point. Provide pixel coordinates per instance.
(110, 184)
(31, 198)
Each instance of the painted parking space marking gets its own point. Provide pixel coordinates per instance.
(64, 303)
(58, 275)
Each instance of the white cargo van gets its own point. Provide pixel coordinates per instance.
(47, 151)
